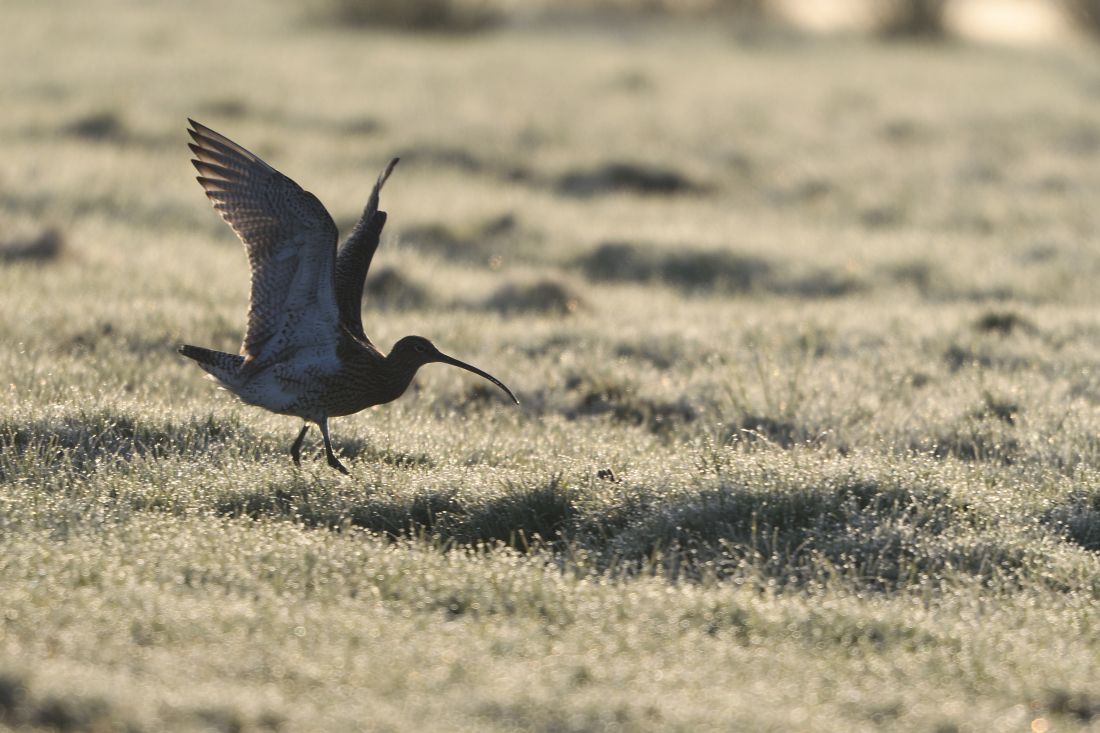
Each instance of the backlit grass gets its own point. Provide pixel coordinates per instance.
(804, 333)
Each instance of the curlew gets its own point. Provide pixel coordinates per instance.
(304, 353)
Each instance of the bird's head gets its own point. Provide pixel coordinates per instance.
(413, 352)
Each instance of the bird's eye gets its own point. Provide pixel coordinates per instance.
(421, 348)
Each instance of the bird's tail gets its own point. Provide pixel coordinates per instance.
(223, 367)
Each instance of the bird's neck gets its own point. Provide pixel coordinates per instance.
(394, 378)
(368, 377)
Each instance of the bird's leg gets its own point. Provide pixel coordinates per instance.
(296, 449)
(332, 460)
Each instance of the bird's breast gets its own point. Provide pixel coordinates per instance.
(352, 391)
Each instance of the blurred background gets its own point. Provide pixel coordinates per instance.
(560, 158)
(1008, 21)
(798, 149)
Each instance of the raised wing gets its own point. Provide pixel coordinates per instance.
(291, 244)
(355, 257)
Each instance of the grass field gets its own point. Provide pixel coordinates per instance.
(824, 308)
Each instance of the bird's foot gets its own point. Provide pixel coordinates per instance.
(335, 463)
(332, 460)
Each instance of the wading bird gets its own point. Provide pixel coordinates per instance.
(305, 353)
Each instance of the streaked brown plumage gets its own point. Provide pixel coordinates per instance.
(305, 352)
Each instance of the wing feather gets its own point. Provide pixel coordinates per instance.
(354, 258)
(291, 243)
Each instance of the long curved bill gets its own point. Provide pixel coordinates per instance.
(444, 359)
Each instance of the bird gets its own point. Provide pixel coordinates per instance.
(304, 353)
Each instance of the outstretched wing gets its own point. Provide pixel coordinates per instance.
(291, 244)
(355, 257)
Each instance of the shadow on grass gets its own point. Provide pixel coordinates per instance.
(418, 16)
(986, 434)
(546, 296)
(685, 269)
(487, 242)
(49, 246)
(622, 403)
(388, 288)
(102, 126)
(1078, 519)
(781, 432)
(721, 271)
(361, 449)
(89, 441)
(1004, 323)
(21, 706)
(24, 707)
(779, 526)
(858, 529)
(624, 177)
(521, 516)
(875, 534)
